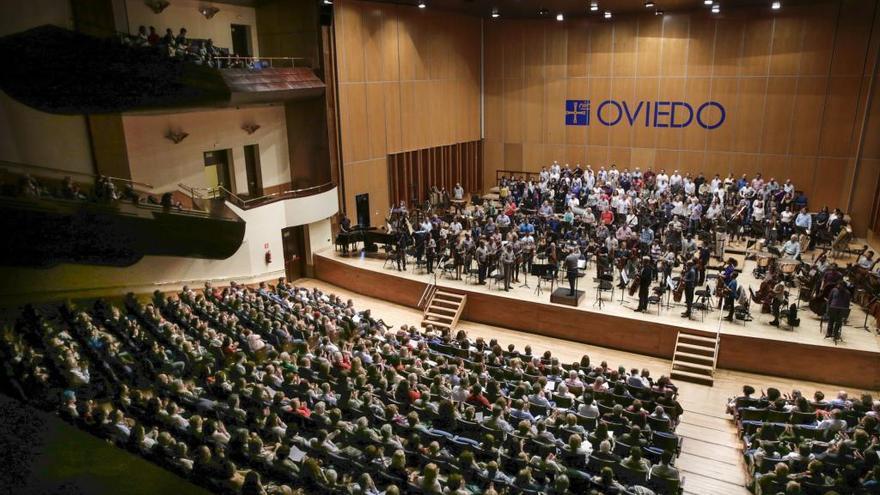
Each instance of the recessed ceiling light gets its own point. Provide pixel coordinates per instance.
(716, 8)
(543, 12)
(422, 5)
(594, 6)
(649, 4)
(776, 5)
(495, 14)
(608, 14)
(560, 17)
(708, 2)
(328, 2)
(658, 12)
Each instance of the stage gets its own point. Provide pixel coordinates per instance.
(801, 353)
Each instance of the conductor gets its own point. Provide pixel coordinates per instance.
(571, 269)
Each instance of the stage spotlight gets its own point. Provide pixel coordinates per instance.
(658, 12)
(422, 5)
(776, 5)
(560, 17)
(716, 8)
(708, 2)
(594, 6)
(495, 14)
(649, 4)
(608, 14)
(328, 2)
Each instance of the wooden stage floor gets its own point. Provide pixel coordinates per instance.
(754, 346)
(808, 332)
(711, 454)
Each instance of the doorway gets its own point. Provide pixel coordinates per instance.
(293, 241)
(218, 171)
(252, 168)
(362, 205)
(241, 40)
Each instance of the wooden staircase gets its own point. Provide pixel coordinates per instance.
(442, 307)
(695, 358)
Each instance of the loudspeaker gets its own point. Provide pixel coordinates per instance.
(326, 14)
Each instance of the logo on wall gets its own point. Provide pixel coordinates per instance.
(661, 114)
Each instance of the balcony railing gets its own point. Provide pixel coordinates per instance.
(236, 62)
(220, 192)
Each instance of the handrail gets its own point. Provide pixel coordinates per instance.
(246, 204)
(271, 60)
(513, 173)
(71, 173)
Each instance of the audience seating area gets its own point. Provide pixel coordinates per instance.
(283, 389)
(793, 444)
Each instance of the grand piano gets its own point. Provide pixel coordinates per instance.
(370, 236)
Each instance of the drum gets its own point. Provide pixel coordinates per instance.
(763, 260)
(788, 266)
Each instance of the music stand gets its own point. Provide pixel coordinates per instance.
(525, 276)
(624, 282)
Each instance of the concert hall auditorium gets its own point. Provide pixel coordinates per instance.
(440, 247)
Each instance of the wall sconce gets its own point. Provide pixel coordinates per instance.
(176, 136)
(209, 11)
(157, 6)
(250, 128)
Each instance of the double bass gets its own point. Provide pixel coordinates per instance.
(679, 290)
(636, 282)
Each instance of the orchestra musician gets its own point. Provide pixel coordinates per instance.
(838, 309)
(430, 253)
(689, 279)
(482, 262)
(730, 295)
(778, 297)
(508, 258)
(646, 275)
(345, 227)
(401, 250)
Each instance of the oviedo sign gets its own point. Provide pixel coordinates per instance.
(673, 114)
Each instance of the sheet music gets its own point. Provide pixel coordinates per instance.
(623, 278)
(296, 455)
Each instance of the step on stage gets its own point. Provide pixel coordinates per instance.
(801, 353)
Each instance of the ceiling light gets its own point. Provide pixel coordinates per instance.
(608, 14)
(594, 6)
(708, 2)
(495, 14)
(776, 5)
(716, 8)
(543, 12)
(422, 5)
(649, 4)
(328, 2)
(560, 17)
(658, 12)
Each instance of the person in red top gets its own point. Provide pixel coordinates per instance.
(153, 38)
(607, 217)
(477, 398)
(300, 409)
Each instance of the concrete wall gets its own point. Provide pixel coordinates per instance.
(156, 160)
(25, 133)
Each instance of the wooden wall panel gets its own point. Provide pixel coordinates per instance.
(411, 174)
(409, 79)
(793, 84)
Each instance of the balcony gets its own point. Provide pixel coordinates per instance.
(65, 72)
(55, 223)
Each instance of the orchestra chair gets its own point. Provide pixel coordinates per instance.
(603, 285)
(496, 279)
(657, 298)
(389, 257)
